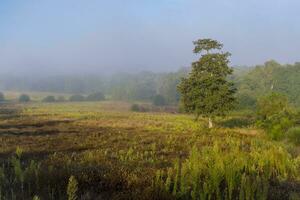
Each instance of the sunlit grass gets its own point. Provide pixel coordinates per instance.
(105, 145)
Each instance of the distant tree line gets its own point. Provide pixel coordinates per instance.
(251, 83)
(268, 78)
(160, 88)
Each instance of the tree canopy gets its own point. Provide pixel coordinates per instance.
(206, 91)
(268, 78)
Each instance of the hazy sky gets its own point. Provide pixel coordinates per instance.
(46, 36)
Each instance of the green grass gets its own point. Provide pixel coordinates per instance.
(109, 152)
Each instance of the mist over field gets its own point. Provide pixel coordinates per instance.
(149, 100)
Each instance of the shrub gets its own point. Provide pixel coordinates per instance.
(139, 108)
(293, 135)
(135, 108)
(278, 126)
(49, 99)
(275, 115)
(271, 105)
(96, 97)
(24, 98)
(77, 97)
(2, 98)
(159, 100)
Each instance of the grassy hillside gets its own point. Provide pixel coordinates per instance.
(113, 153)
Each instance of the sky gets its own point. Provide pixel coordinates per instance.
(104, 36)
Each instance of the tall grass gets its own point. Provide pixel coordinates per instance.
(228, 170)
(24, 179)
(72, 188)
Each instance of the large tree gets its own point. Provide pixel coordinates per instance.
(206, 91)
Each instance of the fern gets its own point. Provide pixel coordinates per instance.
(72, 188)
(226, 171)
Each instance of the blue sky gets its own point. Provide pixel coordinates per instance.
(60, 36)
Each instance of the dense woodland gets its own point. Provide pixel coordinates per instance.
(251, 82)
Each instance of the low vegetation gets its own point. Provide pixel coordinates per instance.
(275, 115)
(90, 150)
(229, 169)
(24, 98)
(293, 135)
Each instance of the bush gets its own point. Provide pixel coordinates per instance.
(159, 100)
(96, 97)
(278, 126)
(49, 99)
(76, 97)
(293, 135)
(2, 98)
(275, 115)
(139, 108)
(271, 105)
(24, 98)
(135, 108)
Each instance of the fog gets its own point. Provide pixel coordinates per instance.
(103, 37)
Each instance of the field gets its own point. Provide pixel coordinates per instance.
(105, 151)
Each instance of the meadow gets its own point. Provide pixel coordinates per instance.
(102, 150)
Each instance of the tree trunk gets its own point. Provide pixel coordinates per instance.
(210, 123)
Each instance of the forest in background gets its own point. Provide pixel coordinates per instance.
(251, 83)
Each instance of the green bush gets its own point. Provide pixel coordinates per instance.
(76, 97)
(278, 126)
(139, 108)
(49, 99)
(2, 98)
(271, 105)
(135, 108)
(24, 98)
(293, 135)
(275, 115)
(159, 100)
(96, 97)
